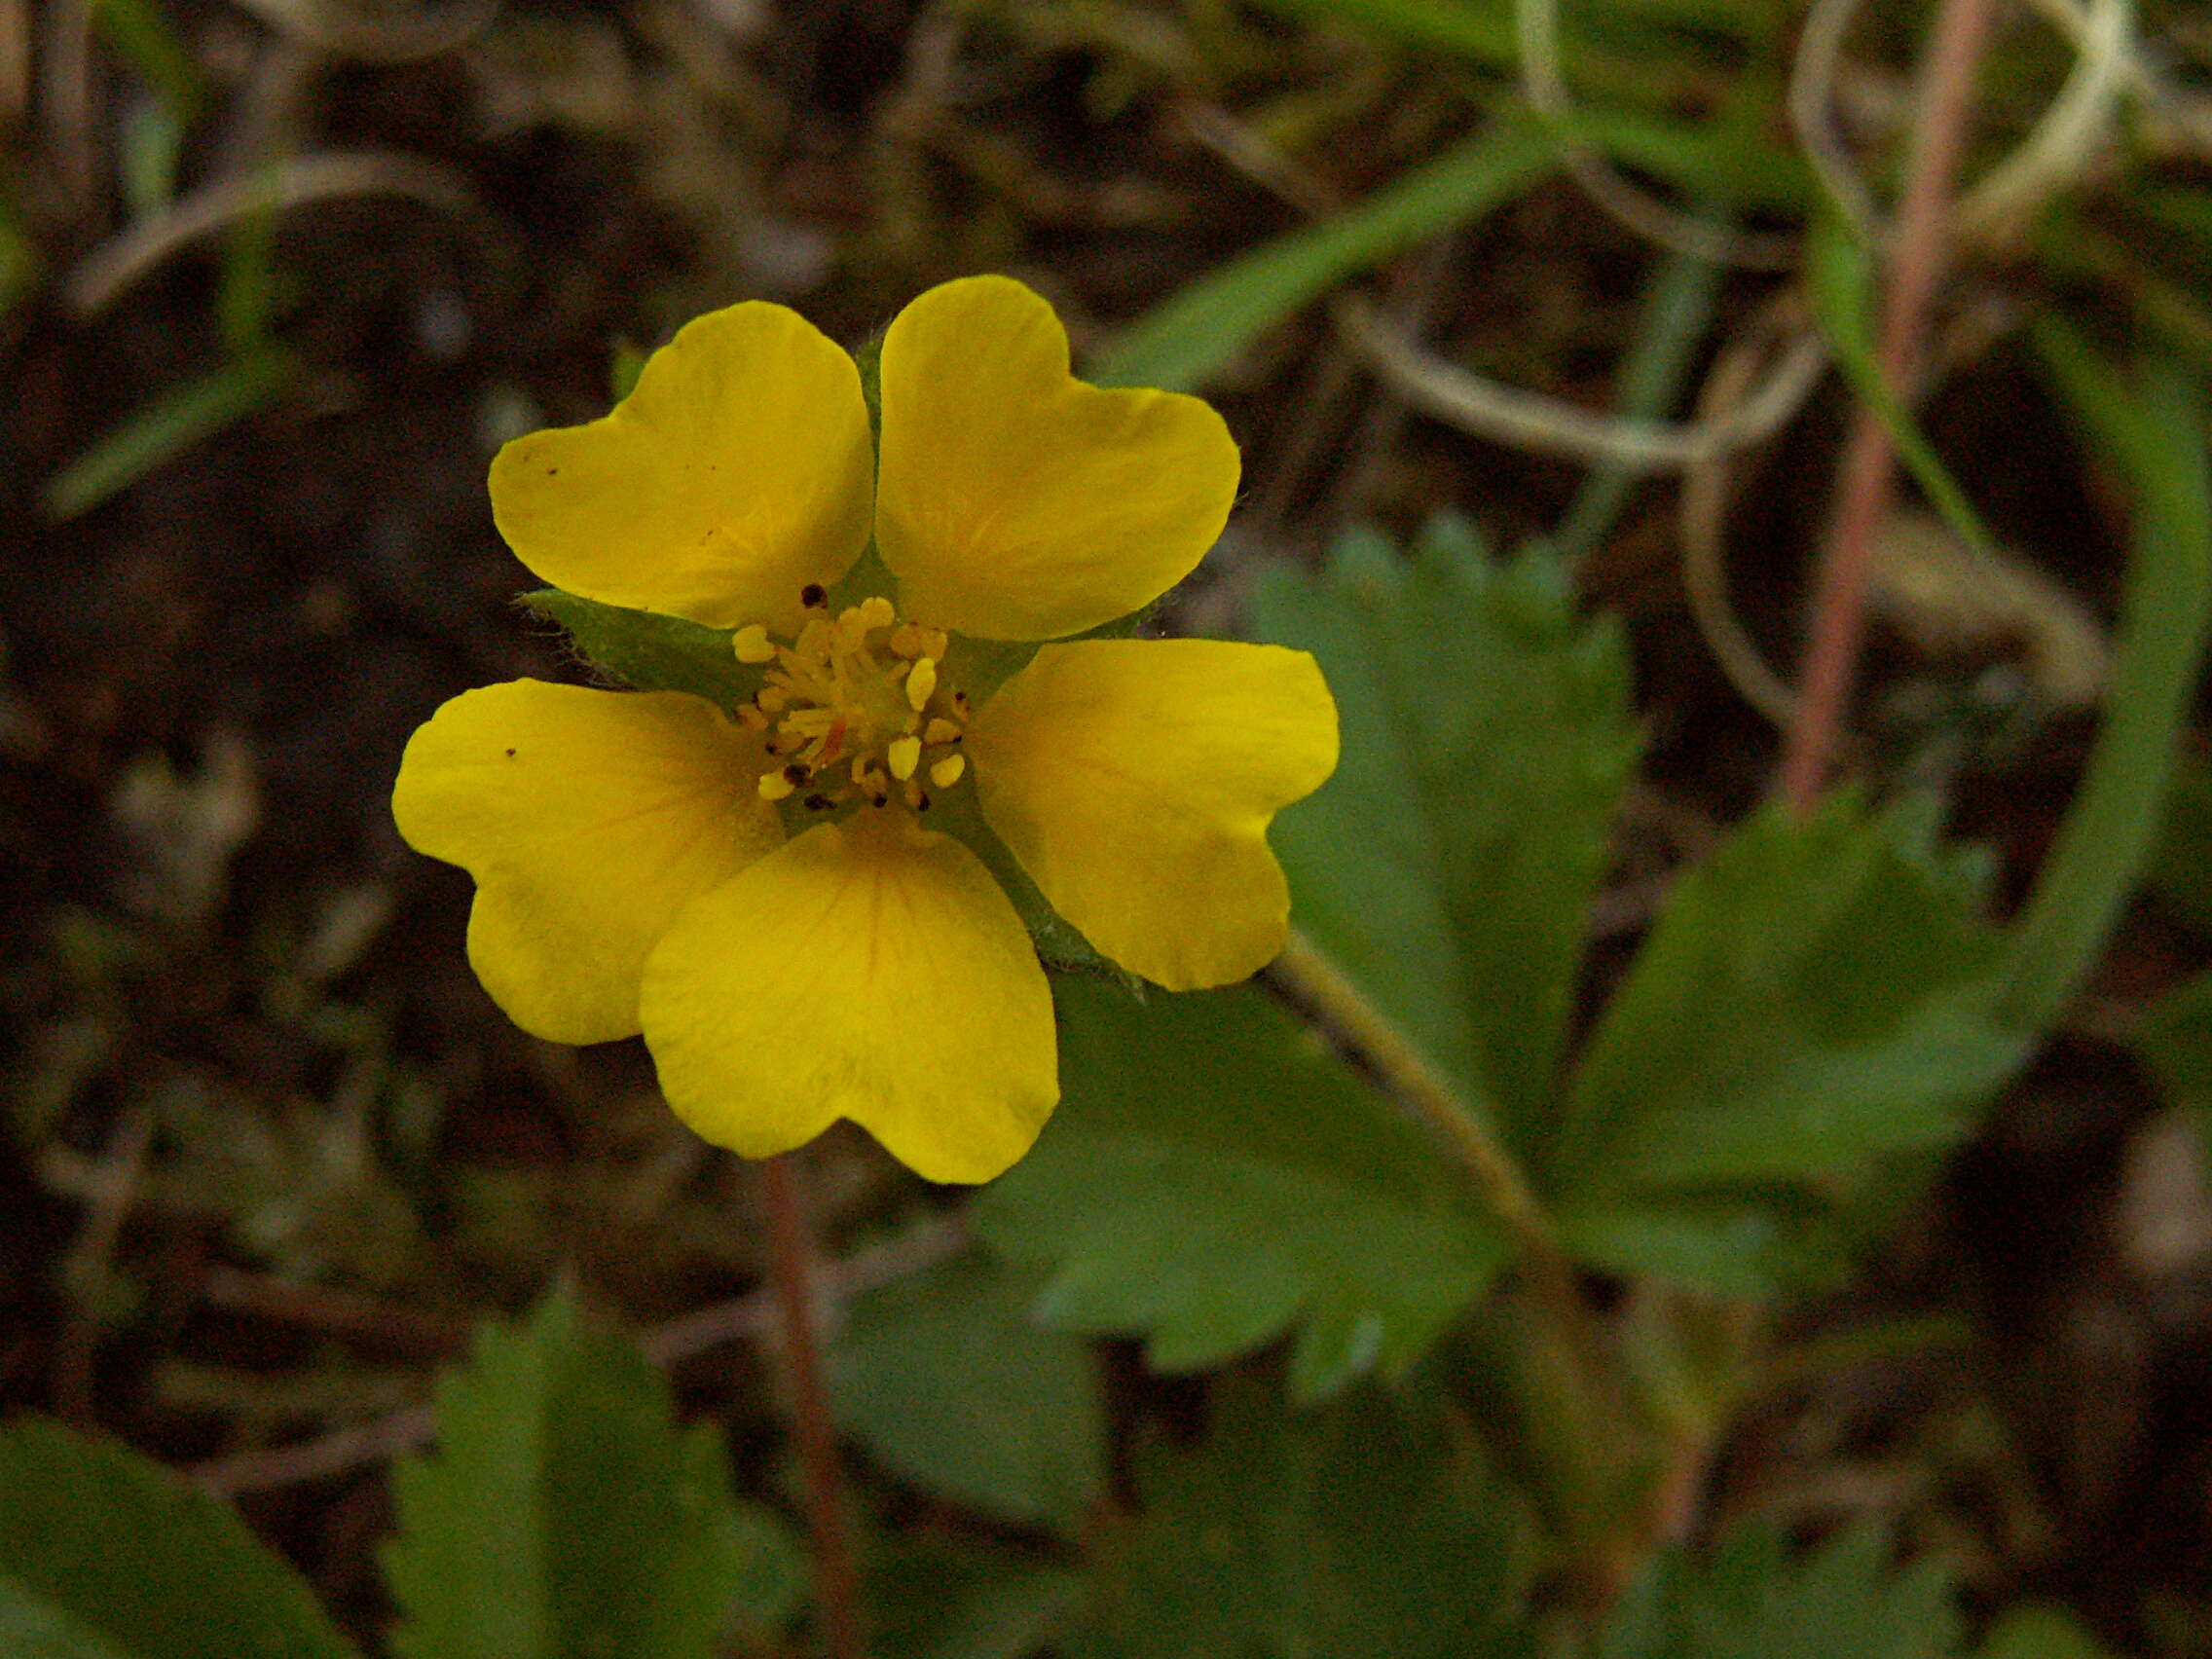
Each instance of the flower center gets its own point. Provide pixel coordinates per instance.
(854, 708)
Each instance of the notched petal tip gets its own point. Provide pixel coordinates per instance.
(870, 971)
(1017, 503)
(738, 471)
(589, 820)
(1135, 780)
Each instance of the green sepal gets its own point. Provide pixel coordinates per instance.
(648, 651)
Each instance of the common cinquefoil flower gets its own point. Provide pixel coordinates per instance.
(785, 894)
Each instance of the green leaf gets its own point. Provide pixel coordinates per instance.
(166, 427)
(1750, 1600)
(2173, 1039)
(949, 1379)
(1200, 330)
(2180, 868)
(1213, 1179)
(1448, 867)
(2039, 1630)
(105, 1555)
(1812, 999)
(563, 1516)
(941, 1598)
(648, 651)
(1358, 1531)
(2155, 432)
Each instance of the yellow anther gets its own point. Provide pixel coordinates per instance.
(774, 786)
(921, 684)
(750, 718)
(947, 772)
(876, 611)
(751, 643)
(941, 731)
(905, 754)
(774, 699)
(908, 641)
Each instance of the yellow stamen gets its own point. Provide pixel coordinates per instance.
(904, 755)
(947, 772)
(876, 611)
(751, 643)
(921, 684)
(774, 786)
(909, 642)
(941, 731)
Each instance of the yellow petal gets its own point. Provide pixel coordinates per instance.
(1135, 779)
(869, 970)
(1016, 502)
(734, 475)
(589, 819)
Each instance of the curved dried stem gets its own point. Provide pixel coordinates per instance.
(1545, 87)
(1548, 425)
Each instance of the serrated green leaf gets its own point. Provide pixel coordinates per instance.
(1750, 1600)
(1448, 864)
(1213, 1179)
(1353, 1532)
(1812, 999)
(648, 651)
(562, 1514)
(949, 1379)
(106, 1555)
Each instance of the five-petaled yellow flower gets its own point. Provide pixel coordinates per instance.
(767, 891)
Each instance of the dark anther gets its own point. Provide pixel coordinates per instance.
(881, 800)
(922, 801)
(795, 774)
(814, 596)
(510, 755)
(818, 803)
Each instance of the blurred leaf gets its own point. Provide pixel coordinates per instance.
(948, 1599)
(1750, 1600)
(1448, 867)
(166, 427)
(1184, 342)
(1736, 158)
(19, 262)
(1812, 999)
(647, 651)
(2179, 870)
(105, 1555)
(1674, 317)
(1356, 1532)
(141, 31)
(245, 294)
(1213, 1179)
(2173, 1039)
(949, 1379)
(2153, 429)
(2039, 1630)
(149, 142)
(1842, 272)
(563, 1516)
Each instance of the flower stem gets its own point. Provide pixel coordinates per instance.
(1496, 1174)
(836, 1582)
(1868, 470)
(1572, 1398)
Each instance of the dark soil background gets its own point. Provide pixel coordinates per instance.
(266, 1150)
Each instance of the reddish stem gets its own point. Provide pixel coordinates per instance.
(837, 1583)
(1863, 489)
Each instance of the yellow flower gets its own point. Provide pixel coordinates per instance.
(769, 891)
